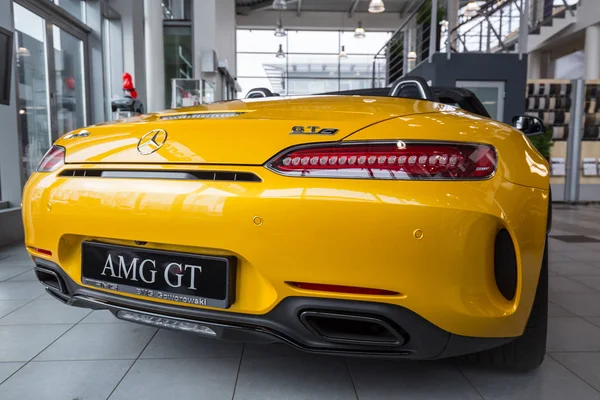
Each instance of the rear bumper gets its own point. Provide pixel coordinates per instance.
(419, 339)
(356, 233)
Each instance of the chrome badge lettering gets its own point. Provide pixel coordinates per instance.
(312, 130)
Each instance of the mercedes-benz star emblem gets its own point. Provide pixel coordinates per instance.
(152, 141)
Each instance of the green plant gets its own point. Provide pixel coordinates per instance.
(543, 143)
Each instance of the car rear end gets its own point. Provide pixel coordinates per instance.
(381, 235)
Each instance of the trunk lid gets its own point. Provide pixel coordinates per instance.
(238, 132)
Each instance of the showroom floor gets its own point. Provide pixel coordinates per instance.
(51, 351)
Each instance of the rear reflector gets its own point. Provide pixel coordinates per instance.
(392, 160)
(341, 289)
(40, 251)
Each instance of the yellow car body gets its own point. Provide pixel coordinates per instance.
(426, 245)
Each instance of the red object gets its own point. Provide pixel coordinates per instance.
(397, 160)
(53, 159)
(342, 289)
(70, 82)
(41, 251)
(128, 85)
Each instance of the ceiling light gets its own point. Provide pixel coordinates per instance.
(279, 5)
(412, 56)
(472, 9)
(280, 53)
(279, 31)
(376, 6)
(343, 54)
(23, 52)
(359, 32)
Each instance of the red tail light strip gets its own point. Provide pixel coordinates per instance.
(397, 160)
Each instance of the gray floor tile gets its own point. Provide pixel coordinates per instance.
(22, 343)
(582, 304)
(584, 365)
(102, 317)
(558, 257)
(592, 281)
(100, 342)
(551, 381)
(196, 378)
(172, 344)
(57, 380)
(45, 312)
(27, 276)
(554, 310)
(273, 350)
(8, 306)
(573, 268)
(316, 377)
(20, 290)
(562, 284)
(8, 368)
(572, 334)
(8, 272)
(594, 320)
(583, 255)
(387, 379)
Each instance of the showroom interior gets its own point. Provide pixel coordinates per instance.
(68, 64)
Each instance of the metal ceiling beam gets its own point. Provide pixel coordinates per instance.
(353, 8)
(299, 9)
(260, 6)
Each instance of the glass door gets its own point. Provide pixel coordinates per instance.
(52, 77)
(33, 85)
(69, 81)
(490, 93)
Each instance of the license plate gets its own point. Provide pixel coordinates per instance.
(181, 277)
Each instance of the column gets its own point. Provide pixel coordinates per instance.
(132, 20)
(592, 52)
(534, 65)
(155, 55)
(452, 14)
(214, 30)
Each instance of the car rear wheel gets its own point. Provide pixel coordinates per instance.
(527, 351)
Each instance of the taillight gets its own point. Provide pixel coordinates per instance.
(53, 159)
(390, 160)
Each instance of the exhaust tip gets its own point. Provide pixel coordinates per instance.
(352, 329)
(51, 280)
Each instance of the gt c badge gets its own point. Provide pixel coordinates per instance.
(152, 141)
(312, 130)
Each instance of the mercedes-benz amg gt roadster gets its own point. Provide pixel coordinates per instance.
(399, 223)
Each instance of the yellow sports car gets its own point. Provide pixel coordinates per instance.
(361, 223)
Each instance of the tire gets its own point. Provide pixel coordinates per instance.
(526, 352)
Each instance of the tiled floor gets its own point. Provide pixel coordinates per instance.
(51, 351)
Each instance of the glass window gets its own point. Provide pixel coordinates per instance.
(34, 113)
(311, 63)
(178, 56)
(313, 42)
(113, 62)
(74, 7)
(259, 41)
(70, 85)
(370, 44)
